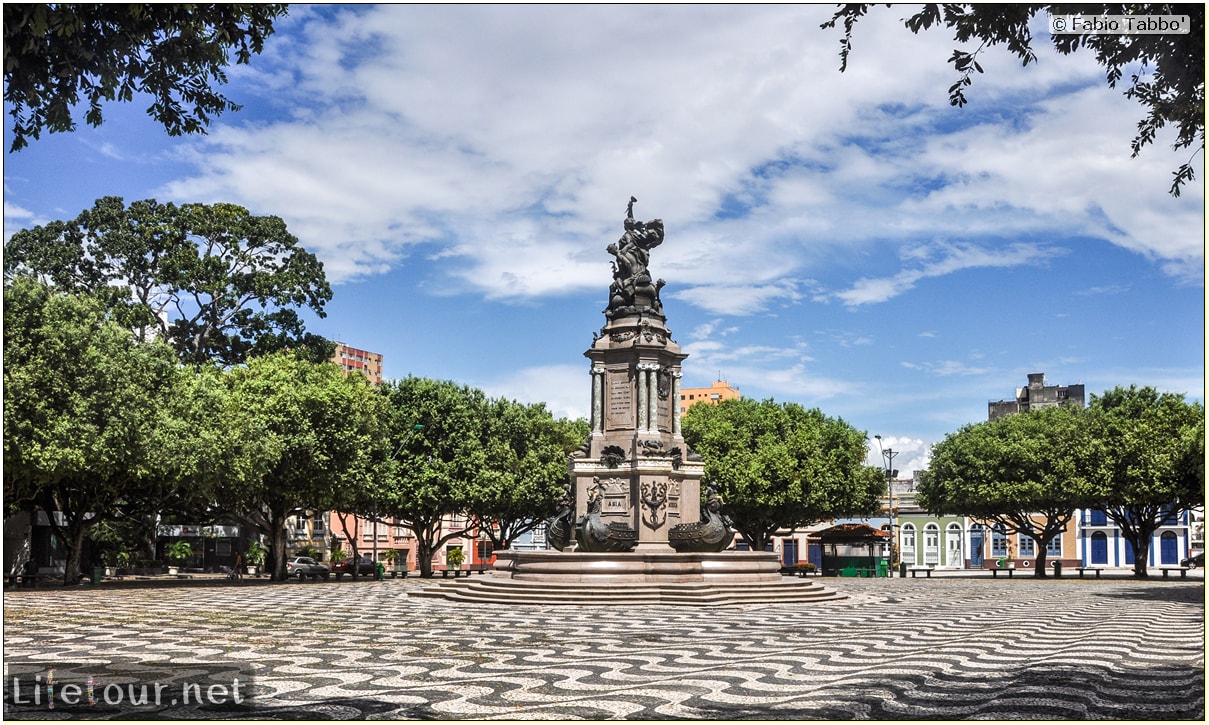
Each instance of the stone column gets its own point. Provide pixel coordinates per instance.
(641, 423)
(653, 397)
(676, 402)
(597, 399)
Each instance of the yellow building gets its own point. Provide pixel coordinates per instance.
(716, 393)
(367, 363)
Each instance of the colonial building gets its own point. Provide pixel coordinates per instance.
(1101, 543)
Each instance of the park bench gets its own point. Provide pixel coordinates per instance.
(858, 571)
(917, 569)
(1011, 571)
(23, 581)
(1183, 570)
(1097, 569)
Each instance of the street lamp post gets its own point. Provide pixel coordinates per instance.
(888, 455)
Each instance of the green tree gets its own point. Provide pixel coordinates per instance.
(437, 432)
(1026, 473)
(1149, 456)
(88, 430)
(781, 466)
(305, 436)
(527, 453)
(1169, 82)
(175, 54)
(216, 281)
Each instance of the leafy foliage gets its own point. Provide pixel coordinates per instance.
(527, 466)
(1027, 473)
(1149, 456)
(308, 436)
(1167, 72)
(176, 54)
(87, 414)
(216, 281)
(781, 466)
(437, 430)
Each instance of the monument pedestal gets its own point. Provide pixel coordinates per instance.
(639, 577)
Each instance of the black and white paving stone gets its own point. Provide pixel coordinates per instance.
(934, 649)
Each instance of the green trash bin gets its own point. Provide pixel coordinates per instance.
(379, 571)
(883, 568)
(902, 570)
(98, 573)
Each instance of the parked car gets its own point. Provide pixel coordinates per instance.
(363, 564)
(1193, 562)
(304, 566)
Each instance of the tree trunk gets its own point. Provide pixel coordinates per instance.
(1039, 562)
(277, 539)
(71, 570)
(424, 556)
(1141, 553)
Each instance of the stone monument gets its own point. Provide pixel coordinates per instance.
(632, 526)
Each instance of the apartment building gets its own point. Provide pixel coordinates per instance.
(717, 392)
(352, 359)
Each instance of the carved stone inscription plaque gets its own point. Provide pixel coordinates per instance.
(616, 493)
(620, 401)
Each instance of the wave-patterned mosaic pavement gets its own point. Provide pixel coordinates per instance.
(944, 648)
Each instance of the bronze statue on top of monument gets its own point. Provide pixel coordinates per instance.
(632, 291)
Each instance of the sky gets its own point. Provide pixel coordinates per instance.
(846, 241)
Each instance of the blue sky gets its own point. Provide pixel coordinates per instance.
(846, 241)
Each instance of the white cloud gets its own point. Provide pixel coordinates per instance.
(938, 260)
(509, 138)
(565, 389)
(909, 454)
(740, 299)
(944, 368)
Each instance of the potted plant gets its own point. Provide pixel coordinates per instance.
(454, 558)
(179, 552)
(398, 561)
(255, 557)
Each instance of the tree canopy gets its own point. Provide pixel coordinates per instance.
(1026, 472)
(1149, 461)
(88, 434)
(781, 466)
(218, 282)
(309, 436)
(1166, 71)
(527, 451)
(437, 435)
(59, 55)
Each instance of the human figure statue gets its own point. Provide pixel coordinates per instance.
(632, 289)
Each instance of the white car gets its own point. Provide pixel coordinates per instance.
(304, 566)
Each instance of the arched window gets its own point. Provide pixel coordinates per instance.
(1026, 546)
(999, 542)
(907, 543)
(1099, 548)
(932, 544)
(1169, 550)
(953, 553)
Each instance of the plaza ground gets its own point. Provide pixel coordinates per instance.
(947, 648)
